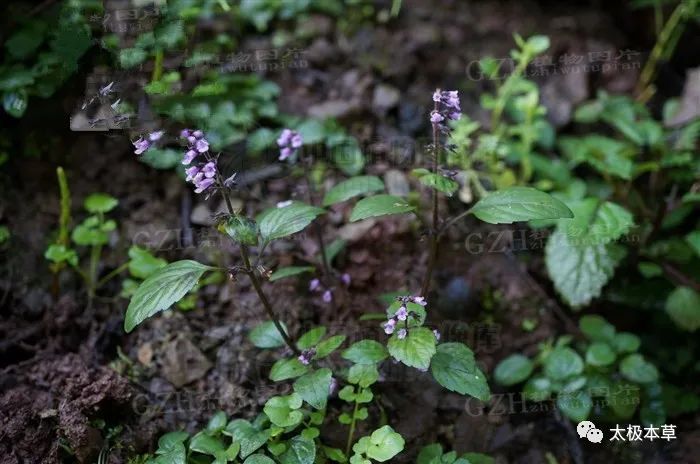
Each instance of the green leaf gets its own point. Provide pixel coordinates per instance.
(606, 155)
(366, 352)
(282, 222)
(285, 369)
(266, 335)
(311, 338)
(580, 272)
(512, 370)
(314, 387)
(693, 240)
(15, 102)
(416, 349)
(61, 253)
(537, 389)
(477, 458)
(379, 205)
(163, 289)
(600, 354)
(217, 423)
(596, 222)
(430, 454)
(206, 444)
(351, 188)
(250, 438)
(241, 230)
(563, 363)
(384, 444)
(334, 454)
(625, 342)
(439, 183)
(100, 203)
(596, 328)
(454, 367)
(289, 271)
(283, 411)
(576, 406)
(301, 450)
(328, 346)
(636, 369)
(363, 375)
(131, 57)
(519, 204)
(683, 306)
(142, 263)
(259, 459)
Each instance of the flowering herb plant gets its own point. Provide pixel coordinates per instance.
(290, 427)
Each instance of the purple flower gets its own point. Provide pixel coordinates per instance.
(202, 184)
(333, 386)
(141, 145)
(437, 96)
(198, 134)
(191, 173)
(285, 153)
(401, 334)
(436, 117)
(402, 313)
(289, 142)
(107, 89)
(185, 133)
(190, 155)
(327, 296)
(389, 326)
(436, 332)
(419, 300)
(306, 355)
(191, 139)
(201, 145)
(155, 136)
(209, 169)
(345, 279)
(314, 285)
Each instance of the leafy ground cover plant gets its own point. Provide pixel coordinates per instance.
(602, 377)
(294, 422)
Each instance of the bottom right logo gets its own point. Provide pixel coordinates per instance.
(587, 429)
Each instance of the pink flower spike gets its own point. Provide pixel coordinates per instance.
(185, 133)
(436, 117)
(389, 326)
(345, 279)
(285, 153)
(401, 314)
(155, 136)
(437, 96)
(198, 134)
(191, 173)
(191, 139)
(314, 285)
(297, 141)
(141, 145)
(401, 334)
(203, 185)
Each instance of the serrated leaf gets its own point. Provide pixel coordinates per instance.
(519, 204)
(163, 289)
(259, 459)
(328, 346)
(366, 352)
(206, 444)
(283, 411)
(290, 271)
(314, 387)
(351, 188)
(250, 438)
(514, 369)
(384, 444)
(379, 205)
(241, 230)
(282, 222)
(416, 349)
(683, 306)
(454, 367)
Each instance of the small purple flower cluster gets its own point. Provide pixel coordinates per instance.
(289, 142)
(401, 315)
(316, 286)
(306, 356)
(141, 145)
(203, 173)
(446, 108)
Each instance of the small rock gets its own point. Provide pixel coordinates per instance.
(689, 107)
(202, 215)
(183, 362)
(332, 109)
(396, 183)
(385, 97)
(320, 51)
(145, 354)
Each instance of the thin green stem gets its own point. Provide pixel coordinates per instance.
(111, 275)
(434, 230)
(351, 432)
(158, 65)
